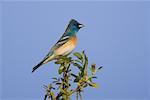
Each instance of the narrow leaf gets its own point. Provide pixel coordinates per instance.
(58, 83)
(54, 78)
(93, 68)
(78, 55)
(77, 79)
(52, 94)
(85, 64)
(60, 70)
(94, 85)
(94, 77)
(78, 65)
(73, 75)
(78, 61)
(100, 67)
(60, 61)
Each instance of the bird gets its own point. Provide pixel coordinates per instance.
(65, 45)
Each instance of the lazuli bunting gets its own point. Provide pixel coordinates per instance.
(65, 44)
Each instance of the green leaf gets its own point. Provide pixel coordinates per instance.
(45, 86)
(77, 79)
(85, 85)
(100, 68)
(58, 83)
(78, 61)
(73, 75)
(55, 81)
(94, 85)
(50, 86)
(78, 65)
(52, 94)
(60, 70)
(93, 68)
(94, 77)
(66, 59)
(54, 78)
(69, 59)
(60, 61)
(85, 63)
(81, 74)
(78, 55)
(90, 79)
(83, 52)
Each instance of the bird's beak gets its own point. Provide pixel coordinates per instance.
(81, 25)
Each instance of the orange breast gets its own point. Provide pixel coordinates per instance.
(67, 47)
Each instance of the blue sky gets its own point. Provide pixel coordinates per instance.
(115, 36)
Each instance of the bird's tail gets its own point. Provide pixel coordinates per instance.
(38, 65)
(48, 58)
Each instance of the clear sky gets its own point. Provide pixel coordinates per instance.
(115, 36)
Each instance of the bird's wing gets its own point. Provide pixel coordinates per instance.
(64, 38)
(60, 42)
(51, 54)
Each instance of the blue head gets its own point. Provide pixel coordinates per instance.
(73, 27)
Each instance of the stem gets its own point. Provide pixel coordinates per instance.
(78, 88)
(64, 82)
(65, 86)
